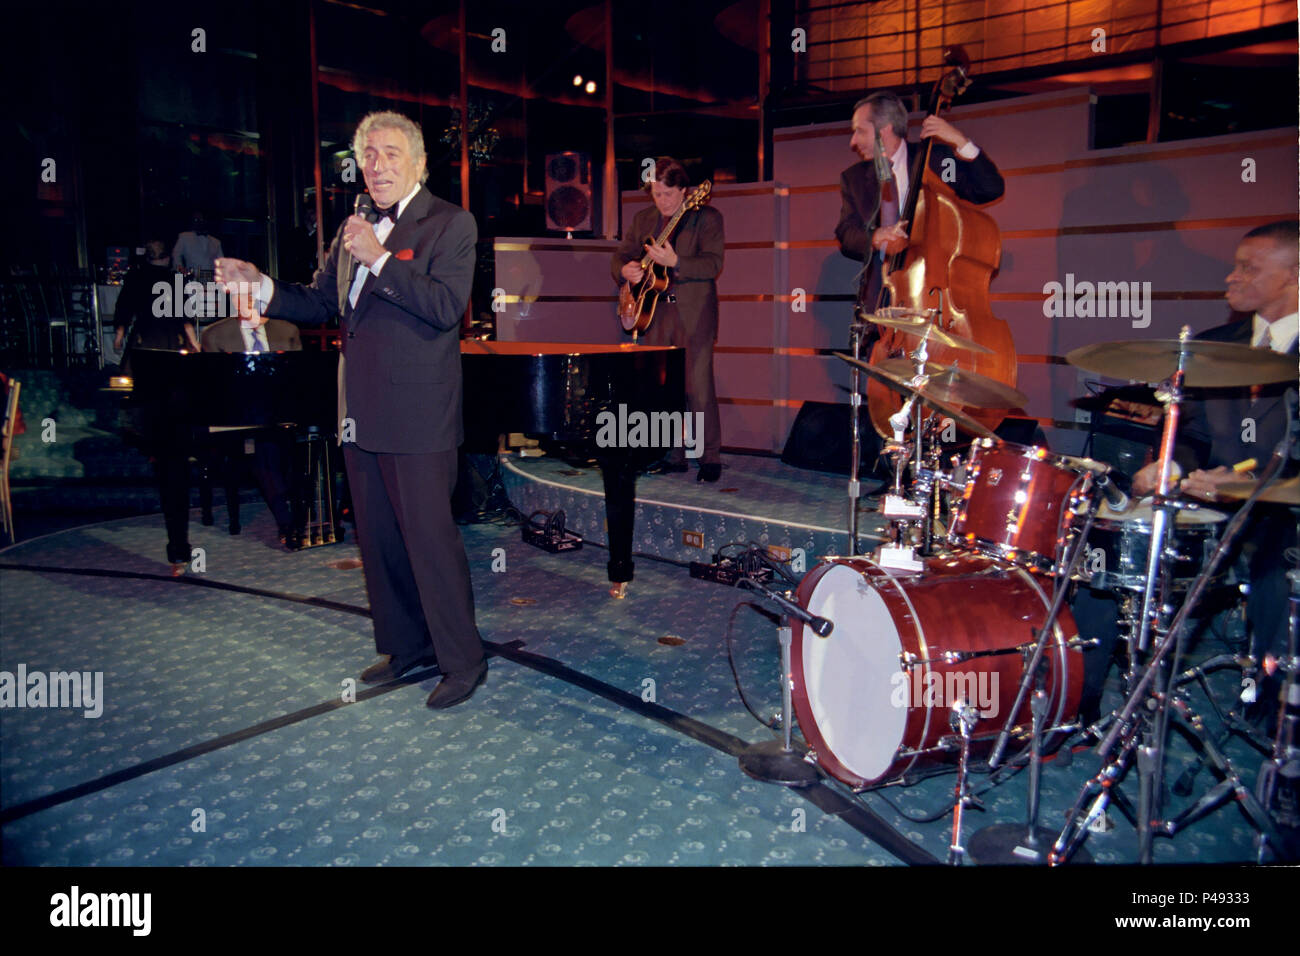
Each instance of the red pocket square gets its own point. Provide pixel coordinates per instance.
(406, 255)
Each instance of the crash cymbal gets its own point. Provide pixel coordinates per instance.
(918, 326)
(959, 386)
(1283, 492)
(1209, 364)
(963, 421)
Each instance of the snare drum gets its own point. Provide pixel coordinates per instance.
(1119, 545)
(1019, 503)
(873, 698)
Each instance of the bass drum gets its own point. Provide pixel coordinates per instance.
(873, 699)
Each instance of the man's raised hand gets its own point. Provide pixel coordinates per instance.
(236, 275)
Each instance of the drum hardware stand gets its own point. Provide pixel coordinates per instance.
(1132, 733)
(857, 330)
(1013, 843)
(962, 719)
(902, 555)
(1278, 786)
(774, 761)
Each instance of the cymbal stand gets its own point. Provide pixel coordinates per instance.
(897, 508)
(857, 330)
(1278, 788)
(962, 719)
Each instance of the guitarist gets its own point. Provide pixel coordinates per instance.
(687, 313)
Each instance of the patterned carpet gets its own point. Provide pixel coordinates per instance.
(606, 733)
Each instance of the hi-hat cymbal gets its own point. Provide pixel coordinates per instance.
(1209, 364)
(1282, 492)
(919, 326)
(960, 386)
(963, 421)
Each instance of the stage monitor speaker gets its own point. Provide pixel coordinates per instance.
(819, 439)
(570, 202)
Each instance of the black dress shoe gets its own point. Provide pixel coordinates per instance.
(665, 467)
(390, 668)
(235, 529)
(710, 471)
(456, 688)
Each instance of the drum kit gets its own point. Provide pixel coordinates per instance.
(953, 642)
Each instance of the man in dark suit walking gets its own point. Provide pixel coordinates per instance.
(402, 285)
(870, 218)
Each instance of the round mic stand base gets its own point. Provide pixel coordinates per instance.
(770, 762)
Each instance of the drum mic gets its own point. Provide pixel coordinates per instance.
(819, 625)
(1118, 501)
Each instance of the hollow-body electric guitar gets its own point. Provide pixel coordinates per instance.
(637, 301)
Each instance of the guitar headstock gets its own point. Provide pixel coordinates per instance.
(698, 196)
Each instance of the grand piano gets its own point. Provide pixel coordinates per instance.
(543, 389)
(556, 390)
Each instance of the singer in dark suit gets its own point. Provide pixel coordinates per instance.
(400, 401)
(861, 231)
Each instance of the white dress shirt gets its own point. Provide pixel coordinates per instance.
(1278, 335)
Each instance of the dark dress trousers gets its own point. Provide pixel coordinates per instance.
(692, 321)
(400, 398)
(977, 181)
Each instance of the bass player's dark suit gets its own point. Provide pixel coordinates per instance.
(976, 180)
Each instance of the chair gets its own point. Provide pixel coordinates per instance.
(6, 446)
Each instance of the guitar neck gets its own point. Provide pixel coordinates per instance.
(667, 231)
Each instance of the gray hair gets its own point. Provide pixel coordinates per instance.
(886, 110)
(387, 119)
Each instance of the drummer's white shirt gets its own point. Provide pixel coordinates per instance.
(1278, 335)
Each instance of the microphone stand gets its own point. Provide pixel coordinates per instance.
(776, 761)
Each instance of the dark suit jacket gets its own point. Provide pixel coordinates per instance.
(978, 181)
(1214, 420)
(401, 344)
(225, 336)
(698, 242)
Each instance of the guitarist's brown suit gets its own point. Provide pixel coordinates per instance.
(692, 321)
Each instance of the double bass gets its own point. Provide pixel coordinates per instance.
(952, 251)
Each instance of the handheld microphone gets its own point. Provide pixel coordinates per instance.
(363, 207)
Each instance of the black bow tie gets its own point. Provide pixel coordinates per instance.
(388, 213)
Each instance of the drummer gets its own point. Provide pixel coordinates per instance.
(1220, 428)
